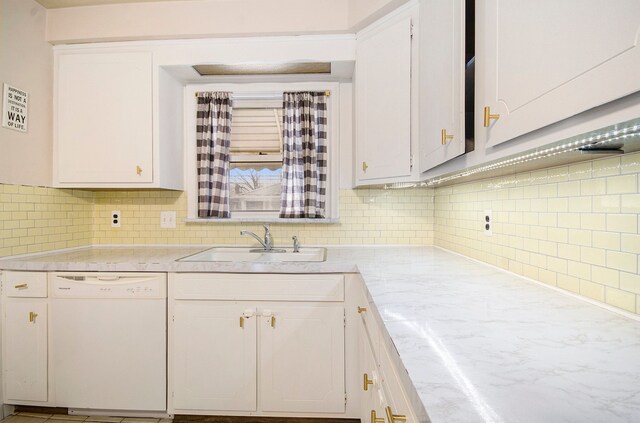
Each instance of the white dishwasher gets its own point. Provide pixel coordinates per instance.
(109, 340)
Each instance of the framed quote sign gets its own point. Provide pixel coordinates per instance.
(15, 110)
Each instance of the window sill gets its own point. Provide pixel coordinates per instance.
(263, 220)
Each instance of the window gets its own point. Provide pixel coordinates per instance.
(255, 169)
(256, 156)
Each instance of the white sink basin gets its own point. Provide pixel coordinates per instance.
(250, 254)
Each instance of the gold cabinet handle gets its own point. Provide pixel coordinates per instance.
(366, 382)
(375, 418)
(488, 116)
(446, 137)
(22, 286)
(365, 166)
(395, 417)
(32, 316)
(361, 309)
(138, 170)
(273, 321)
(241, 322)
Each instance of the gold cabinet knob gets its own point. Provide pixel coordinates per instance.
(361, 309)
(273, 321)
(22, 286)
(395, 417)
(365, 166)
(375, 418)
(32, 316)
(366, 382)
(241, 322)
(138, 170)
(488, 116)
(446, 136)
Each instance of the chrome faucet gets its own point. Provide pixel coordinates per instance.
(267, 244)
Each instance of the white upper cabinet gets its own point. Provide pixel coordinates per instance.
(383, 109)
(442, 65)
(104, 121)
(104, 124)
(541, 62)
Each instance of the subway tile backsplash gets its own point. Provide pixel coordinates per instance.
(35, 219)
(367, 216)
(574, 226)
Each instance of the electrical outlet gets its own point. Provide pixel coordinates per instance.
(167, 219)
(488, 223)
(116, 220)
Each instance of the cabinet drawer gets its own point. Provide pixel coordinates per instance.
(25, 284)
(269, 287)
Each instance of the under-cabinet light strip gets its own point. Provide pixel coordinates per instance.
(607, 137)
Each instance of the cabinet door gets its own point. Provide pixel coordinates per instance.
(25, 341)
(214, 356)
(383, 102)
(544, 61)
(441, 81)
(302, 359)
(372, 402)
(397, 402)
(103, 118)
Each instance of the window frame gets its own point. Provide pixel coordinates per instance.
(257, 90)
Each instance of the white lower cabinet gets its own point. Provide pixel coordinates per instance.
(24, 340)
(302, 358)
(256, 356)
(214, 356)
(25, 358)
(384, 400)
(373, 400)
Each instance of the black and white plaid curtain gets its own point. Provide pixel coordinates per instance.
(304, 167)
(213, 135)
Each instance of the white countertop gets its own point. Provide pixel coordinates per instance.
(479, 344)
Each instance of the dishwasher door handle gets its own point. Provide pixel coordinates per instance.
(108, 278)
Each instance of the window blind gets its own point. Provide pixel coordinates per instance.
(256, 130)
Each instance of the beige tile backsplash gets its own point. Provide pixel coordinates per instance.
(368, 216)
(34, 219)
(575, 227)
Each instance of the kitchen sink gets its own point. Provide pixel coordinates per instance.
(252, 254)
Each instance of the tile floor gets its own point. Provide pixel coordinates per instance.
(62, 418)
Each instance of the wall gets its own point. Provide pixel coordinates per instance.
(26, 63)
(574, 227)
(370, 216)
(212, 18)
(196, 19)
(34, 219)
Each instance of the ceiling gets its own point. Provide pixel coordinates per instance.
(56, 4)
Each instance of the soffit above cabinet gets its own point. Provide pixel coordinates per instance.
(72, 22)
(56, 4)
(341, 70)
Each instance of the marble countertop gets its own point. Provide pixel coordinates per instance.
(479, 344)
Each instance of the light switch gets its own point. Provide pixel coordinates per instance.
(168, 219)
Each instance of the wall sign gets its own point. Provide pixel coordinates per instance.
(14, 108)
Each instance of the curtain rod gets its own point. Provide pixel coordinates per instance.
(327, 93)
